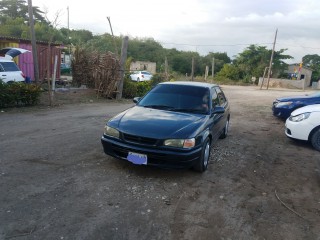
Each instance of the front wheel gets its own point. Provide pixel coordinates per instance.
(138, 79)
(224, 133)
(315, 140)
(202, 164)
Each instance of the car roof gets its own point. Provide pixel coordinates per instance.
(188, 83)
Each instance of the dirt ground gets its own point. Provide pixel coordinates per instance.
(56, 182)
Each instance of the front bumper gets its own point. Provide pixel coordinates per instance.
(298, 130)
(156, 156)
(283, 113)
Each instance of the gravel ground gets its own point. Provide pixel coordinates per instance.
(56, 182)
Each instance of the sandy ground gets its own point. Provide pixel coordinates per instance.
(56, 182)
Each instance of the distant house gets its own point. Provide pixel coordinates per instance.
(297, 77)
(25, 61)
(297, 72)
(140, 65)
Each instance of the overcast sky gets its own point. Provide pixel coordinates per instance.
(200, 25)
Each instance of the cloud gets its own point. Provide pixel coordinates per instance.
(204, 25)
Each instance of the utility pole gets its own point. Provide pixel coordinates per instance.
(271, 59)
(114, 40)
(33, 42)
(123, 59)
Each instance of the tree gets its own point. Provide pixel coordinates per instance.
(254, 59)
(219, 60)
(313, 62)
(229, 71)
(19, 9)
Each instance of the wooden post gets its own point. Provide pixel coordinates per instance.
(33, 42)
(212, 68)
(166, 68)
(206, 73)
(123, 59)
(192, 70)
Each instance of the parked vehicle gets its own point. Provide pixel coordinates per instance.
(284, 106)
(9, 71)
(304, 124)
(141, 76)
(65, 68)
(174, 125)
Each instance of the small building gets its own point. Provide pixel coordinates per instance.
(25, 61)
(297, 77)
(298, 72)
(140, 66)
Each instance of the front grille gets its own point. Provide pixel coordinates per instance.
(139, 139)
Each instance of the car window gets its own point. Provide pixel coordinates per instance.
(215, 100)
(221, 97)
(9, 66)
(177, 98)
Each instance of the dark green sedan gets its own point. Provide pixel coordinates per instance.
(172, 126)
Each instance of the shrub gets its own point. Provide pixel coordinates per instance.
(18, 94)
(129, 89)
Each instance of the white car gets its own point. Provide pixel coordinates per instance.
(141, 76)
(304, 124)
(9, 71)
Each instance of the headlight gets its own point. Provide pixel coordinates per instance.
(181, 143)
(281, 104)
(299, 117)
(111, 132)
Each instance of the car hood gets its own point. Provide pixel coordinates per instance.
(295, 98)
(309, 108)
(154, 123)
(12, 52)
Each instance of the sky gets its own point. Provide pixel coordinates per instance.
(203, 26)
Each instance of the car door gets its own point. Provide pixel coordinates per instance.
(219, 119)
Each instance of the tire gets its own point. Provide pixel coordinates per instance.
(138, 79)
(224, 133)
(315, 139)
(203, 162)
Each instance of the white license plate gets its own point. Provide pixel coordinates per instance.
(137, 158)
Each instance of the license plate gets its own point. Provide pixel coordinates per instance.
(137, 158)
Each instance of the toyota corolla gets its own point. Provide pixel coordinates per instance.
(174, 125)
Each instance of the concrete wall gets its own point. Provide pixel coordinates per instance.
(140, 65)
(285, 83)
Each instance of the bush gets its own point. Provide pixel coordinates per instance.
(129, 89)
(18, 94)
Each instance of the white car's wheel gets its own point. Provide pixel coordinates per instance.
(315, 139)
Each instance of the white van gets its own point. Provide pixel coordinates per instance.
(9, 71)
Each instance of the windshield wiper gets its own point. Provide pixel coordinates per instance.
(158, 107)
(188, 110)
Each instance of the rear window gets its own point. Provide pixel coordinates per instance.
(9, 67)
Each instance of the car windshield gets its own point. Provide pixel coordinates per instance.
(9, 67)
(180, 98)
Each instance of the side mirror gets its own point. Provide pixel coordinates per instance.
(218, 110)
(136, 99)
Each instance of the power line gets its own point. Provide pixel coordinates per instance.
(213, 45)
